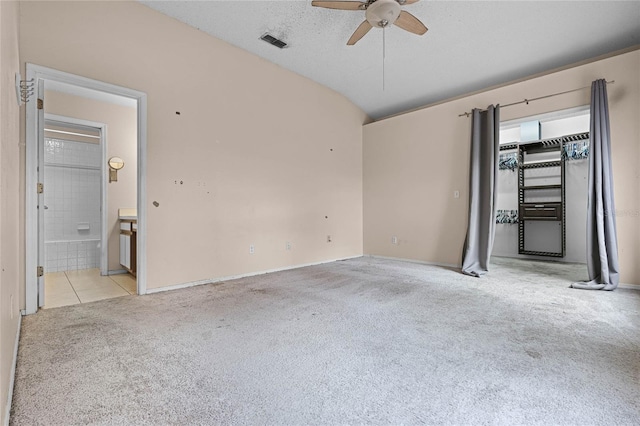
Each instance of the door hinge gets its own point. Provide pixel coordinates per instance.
(40, 104)
(40, 188)
(40, 271)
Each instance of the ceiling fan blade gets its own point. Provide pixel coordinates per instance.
(411, 1)
(341, 5)
(359, 33)
(410, 23)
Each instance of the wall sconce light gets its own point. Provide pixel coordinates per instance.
(115, 164)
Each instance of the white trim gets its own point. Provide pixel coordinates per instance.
(31, 202)
(629, 286)
(141, 234)
(12, 375)
(117, 272)
(104, 206)
(421, 262)
(104, 242)
(250, 274)
(304, 265)
(37, 73)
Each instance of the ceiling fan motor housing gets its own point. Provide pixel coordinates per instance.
(382, 13)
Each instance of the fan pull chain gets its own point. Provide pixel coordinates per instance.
(384, 42)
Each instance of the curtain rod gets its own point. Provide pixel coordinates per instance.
(467, 114)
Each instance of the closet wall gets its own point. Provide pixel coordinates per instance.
(576, 173)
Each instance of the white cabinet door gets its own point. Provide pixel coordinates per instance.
(125, 251)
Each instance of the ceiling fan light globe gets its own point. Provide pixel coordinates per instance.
(383, 10)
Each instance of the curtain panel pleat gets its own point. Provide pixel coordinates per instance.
(483, 173)
(602, 239)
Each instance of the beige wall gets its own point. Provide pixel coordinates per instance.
(414, 162)
(252, 144)
(121, 132)
(9, 196)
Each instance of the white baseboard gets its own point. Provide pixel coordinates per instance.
(235, 277)
(117, 272)
(421, 262)
(12, 375)
(287, 268)
(629, 286)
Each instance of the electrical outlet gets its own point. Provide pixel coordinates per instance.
(288, 245)
(328, 238)
(252, 249)
(394, 240)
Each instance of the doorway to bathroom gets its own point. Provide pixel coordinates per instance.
(75, 130)
(72, 160)
(75, 210)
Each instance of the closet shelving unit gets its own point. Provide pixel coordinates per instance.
(554, 209)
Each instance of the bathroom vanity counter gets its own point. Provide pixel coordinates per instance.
(128, 214)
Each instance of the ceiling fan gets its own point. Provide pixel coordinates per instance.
(379, 14)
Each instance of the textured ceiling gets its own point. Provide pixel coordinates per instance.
(470, 45)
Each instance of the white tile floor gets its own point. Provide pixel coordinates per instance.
(87, 285)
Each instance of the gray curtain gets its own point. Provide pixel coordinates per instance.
(485, 137)
(602, 240)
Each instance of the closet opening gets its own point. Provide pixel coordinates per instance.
(541, 198)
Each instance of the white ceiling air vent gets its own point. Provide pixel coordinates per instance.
(274, 41)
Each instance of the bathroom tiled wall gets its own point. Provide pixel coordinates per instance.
(58, 151)
(72, 205)
(72, 255)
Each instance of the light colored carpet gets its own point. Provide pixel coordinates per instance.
(352, 342)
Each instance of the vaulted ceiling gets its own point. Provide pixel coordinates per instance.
(470, 45)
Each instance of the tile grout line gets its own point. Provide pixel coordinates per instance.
(72, 287)
(56, 294)
(120, 286)
(80, 279)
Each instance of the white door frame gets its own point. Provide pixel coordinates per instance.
(36, 73)
(104, 242)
